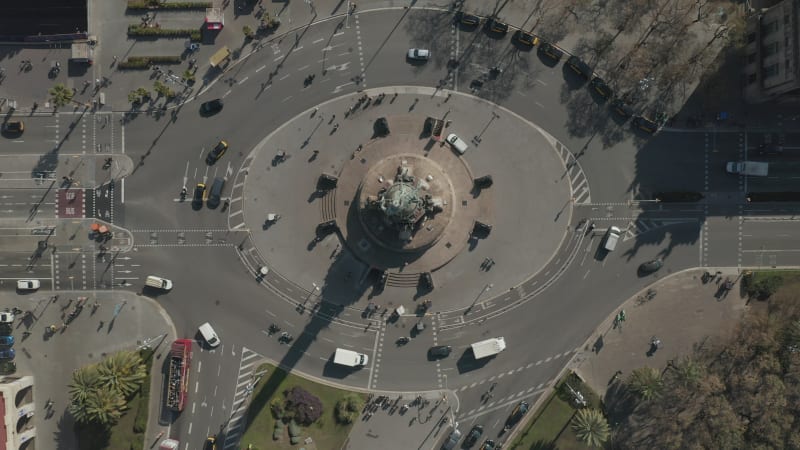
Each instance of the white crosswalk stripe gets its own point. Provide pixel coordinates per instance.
(245, 382)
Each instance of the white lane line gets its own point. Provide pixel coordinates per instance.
(338, 34)
(318, 40)
(226, 93)
(539, 104)
(284, 77)
(303, 68)
(261, 68)
(243, 80)
(542, 82)
(286, 99)
(277, 59)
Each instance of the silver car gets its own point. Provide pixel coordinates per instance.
(452, 440)
(420, 54)
(457, 144)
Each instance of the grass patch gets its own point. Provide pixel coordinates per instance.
(326, 431)
(550, 428)
(128, 433)
(762, 284)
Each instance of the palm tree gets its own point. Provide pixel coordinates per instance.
(646, 382)
(122, 372)
(60, 95)
(591, 427)
(105, 407)
(84, 382)
(687, 373)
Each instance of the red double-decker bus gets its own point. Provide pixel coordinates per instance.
(180, 361)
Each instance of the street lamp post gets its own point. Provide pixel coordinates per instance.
(314, 289)
(479, 137)
(483, 291)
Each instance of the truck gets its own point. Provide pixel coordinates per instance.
(488, 347)
(349, 358)
(752, 168)
(180, 360)
(158, 282)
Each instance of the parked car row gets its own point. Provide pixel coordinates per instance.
(7, 352)
(554, 55)
(476, 432)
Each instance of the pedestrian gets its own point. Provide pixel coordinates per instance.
(332, 118)
(316, 152)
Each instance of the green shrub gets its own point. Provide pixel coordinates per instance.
(137, 443)
(294, 440)
(764, 286)
(144, 62)
(294, 430)
(139, 30)
(347, 409)
(157, 4)
(276, 406)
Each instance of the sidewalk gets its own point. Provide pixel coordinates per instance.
(422, 426)
(91, 336)
(683, 314)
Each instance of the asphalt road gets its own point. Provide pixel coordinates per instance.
(561, 305)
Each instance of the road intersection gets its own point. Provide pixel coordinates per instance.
(548, 290)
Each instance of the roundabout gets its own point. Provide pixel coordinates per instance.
(406, 203)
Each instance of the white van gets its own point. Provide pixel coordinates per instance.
(612, 237)
(350, 358)
(209, 334)
(158, 282)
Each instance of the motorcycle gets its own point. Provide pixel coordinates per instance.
(273, 329)
(183, 194)
(285, 338)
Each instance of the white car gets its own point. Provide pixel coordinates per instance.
(419, 53)
(6, 317)
(28, 285)
(457, 144)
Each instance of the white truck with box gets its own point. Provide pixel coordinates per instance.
(349, 358)
(752, 168)
(158, 282)
(612, 237)
(489, 347)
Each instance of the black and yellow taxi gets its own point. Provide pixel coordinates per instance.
(199, 193)
(551, 51)
(579, 67)
(645, 124)
(621, 108)
(601, 88)
(13, 127)
(497, 27)
(469, 20)
(211, 443)
(215, 154)
(525, 38)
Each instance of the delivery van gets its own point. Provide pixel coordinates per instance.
(612, 237)
(158, 282)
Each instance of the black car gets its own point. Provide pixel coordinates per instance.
(516, 414)
(211, 107)
(215, 154)
(602, 89)
(579, 67)
(621, 108)
(651, 266)
(645, 124)
(13, 127)
(549, 50)
(495, 26)
(440, 351)
(473, 436)
(199, 192)
(469, 20)
(525, 38)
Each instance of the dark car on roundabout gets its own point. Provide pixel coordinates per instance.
(516, 415)
(474, 434)
(579, 67)
(440, 351)
(469, 20)
(497, 27)
(215, 154)
(651, 266)
(526, 38)
(197, 198)
(601, 88)
(211, 107)
(550, 51)
(621, 108)
(13, 127)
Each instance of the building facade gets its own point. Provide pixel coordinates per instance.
(771, 54)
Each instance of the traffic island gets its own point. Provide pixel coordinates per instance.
(286, 410)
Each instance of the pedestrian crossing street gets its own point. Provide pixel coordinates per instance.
(245, 382)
